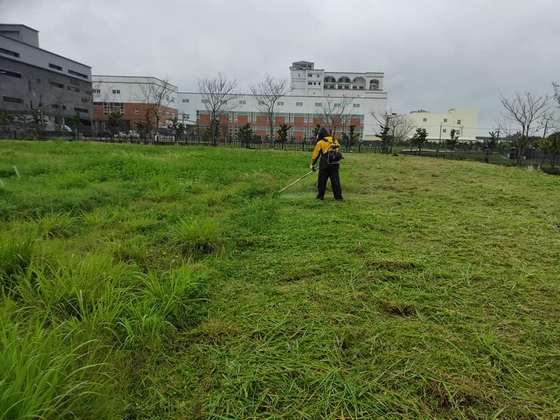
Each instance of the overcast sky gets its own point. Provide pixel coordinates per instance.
(436, 54)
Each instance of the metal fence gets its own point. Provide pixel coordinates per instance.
(503, 155)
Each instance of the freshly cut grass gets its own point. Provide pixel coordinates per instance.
(169, 282)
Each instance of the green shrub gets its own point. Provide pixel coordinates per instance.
(57, 225)
(177, 299)
(178, 295)
(196, 237)
(91, 289)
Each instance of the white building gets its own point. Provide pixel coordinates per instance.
(132, 97)
(306, 80)
(133, 89)
(312, 91)
(439, 125)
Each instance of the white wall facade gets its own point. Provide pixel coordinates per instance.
(189, 103)
(439, 125)
(127, 89)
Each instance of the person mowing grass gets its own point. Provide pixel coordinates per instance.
(328, 151)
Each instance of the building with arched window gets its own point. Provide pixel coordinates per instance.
(308, 81)
(313, 97)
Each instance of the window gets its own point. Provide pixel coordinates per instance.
(97, 91)
(309, 83)
(113, 107)
(261, 103)
(187, 116)
(73, 89)
(424, 120)
(318, 104)
(75, 73)
(280, 103)
(55, 106)
(445, 130)
(374, 84)
(310, 74)
(56, 84)
(458, 122)
(9, 52)
(136, 111)
(85, 100)
(116, 91)
(205, 101)
(445, 120)
(10, 73)
(55, 67)
(242, 102)
(12, 100)
(319, 83)
(356, 105)
(299, 103)
(84, 110)
(186, 101)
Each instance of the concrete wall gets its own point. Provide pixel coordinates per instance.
(32, 78)
(39, 88)
(44, 59)
(21, 33)
(464, 120)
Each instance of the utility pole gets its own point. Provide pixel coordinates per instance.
(546, 126)
(439, 142)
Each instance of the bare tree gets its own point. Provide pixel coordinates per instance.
(267, 93)
(156, 96)
(527, 112)
(394, 128)
(334, 114)
(401, 127)
(217, 94)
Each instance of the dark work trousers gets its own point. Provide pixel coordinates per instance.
(329, 171)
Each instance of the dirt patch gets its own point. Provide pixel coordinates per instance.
(398, 308)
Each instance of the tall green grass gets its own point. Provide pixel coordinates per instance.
(168, 282)
(44, 375)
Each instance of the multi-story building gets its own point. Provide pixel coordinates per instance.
(134, 98)
(314, 96)
(306, 80)
(439, 125)
(36, 80)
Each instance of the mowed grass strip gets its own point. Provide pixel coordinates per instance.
(169, 282)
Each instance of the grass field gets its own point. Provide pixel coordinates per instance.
(166, 282)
